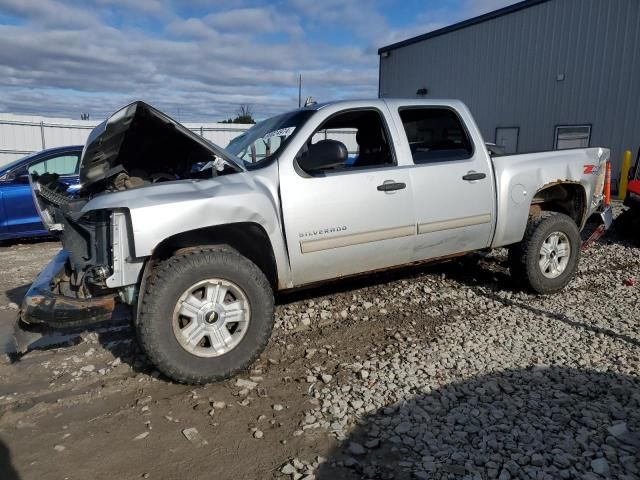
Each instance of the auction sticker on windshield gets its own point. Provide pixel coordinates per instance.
(281, 132)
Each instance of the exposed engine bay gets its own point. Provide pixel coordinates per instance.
(138, 146)
(139, 178)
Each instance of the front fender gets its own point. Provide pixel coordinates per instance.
(164, 210)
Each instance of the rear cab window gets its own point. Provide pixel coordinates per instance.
(435, 134)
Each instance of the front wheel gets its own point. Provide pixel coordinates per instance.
(205, 315)
(547, 258)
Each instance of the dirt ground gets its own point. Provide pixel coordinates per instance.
(94, 408)
(75, 412)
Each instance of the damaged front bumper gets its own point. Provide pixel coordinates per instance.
(42, 305)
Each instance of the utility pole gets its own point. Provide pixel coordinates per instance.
(300, 90)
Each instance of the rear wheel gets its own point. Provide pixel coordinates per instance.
(205, 315)
(547, 258)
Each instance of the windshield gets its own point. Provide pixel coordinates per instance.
(262, 141)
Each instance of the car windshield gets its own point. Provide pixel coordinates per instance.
(262, 141)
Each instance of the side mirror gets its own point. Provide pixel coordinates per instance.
(323, 154)
(23, 178)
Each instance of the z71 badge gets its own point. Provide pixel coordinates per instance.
(591, 169)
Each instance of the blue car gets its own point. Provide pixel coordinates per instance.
(18, 215)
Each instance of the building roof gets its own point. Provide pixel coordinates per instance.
(516, 7)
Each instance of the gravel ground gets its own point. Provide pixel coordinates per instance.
(515, 386)
(445, 371)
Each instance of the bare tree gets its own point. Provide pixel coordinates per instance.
(244, 114)
(244, 110)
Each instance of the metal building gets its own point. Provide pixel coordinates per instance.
(537, 75)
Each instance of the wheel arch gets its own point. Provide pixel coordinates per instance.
(565, 197)
(248, 238)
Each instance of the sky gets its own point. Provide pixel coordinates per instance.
(199, 60)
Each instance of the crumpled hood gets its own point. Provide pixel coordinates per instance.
(138, 136)
(166, 193)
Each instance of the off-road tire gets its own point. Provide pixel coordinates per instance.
(524, 256)
(164, 286)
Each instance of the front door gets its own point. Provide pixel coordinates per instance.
(352, 217)
(452, 181)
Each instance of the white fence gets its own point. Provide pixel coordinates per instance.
(23, 134)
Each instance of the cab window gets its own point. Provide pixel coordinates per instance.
(435, 135)
(360, 135)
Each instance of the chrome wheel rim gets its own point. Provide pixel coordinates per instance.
(554, 255)
(211, 317)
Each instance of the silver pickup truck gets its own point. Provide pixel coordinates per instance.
(197, 239)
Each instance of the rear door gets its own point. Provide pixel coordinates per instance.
(353, 218)
(21, 215)
(453, 185)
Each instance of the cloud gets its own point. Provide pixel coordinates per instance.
(195, 59)
(480, 7)
(150, 7)
(254, 21)
(359, 17)
(49, 13)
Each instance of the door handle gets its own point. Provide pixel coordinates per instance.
(472, 176)
(390, 186)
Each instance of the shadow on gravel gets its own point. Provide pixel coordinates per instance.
(473, 271)
(540, 423)
(563, 318)
(626, 229)
(464, 266)
(7, 472)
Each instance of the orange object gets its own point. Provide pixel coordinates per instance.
(607, 185)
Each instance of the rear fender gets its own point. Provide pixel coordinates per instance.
(520, 178)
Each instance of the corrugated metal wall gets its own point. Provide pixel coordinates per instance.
(21, 134)
(506, 70)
